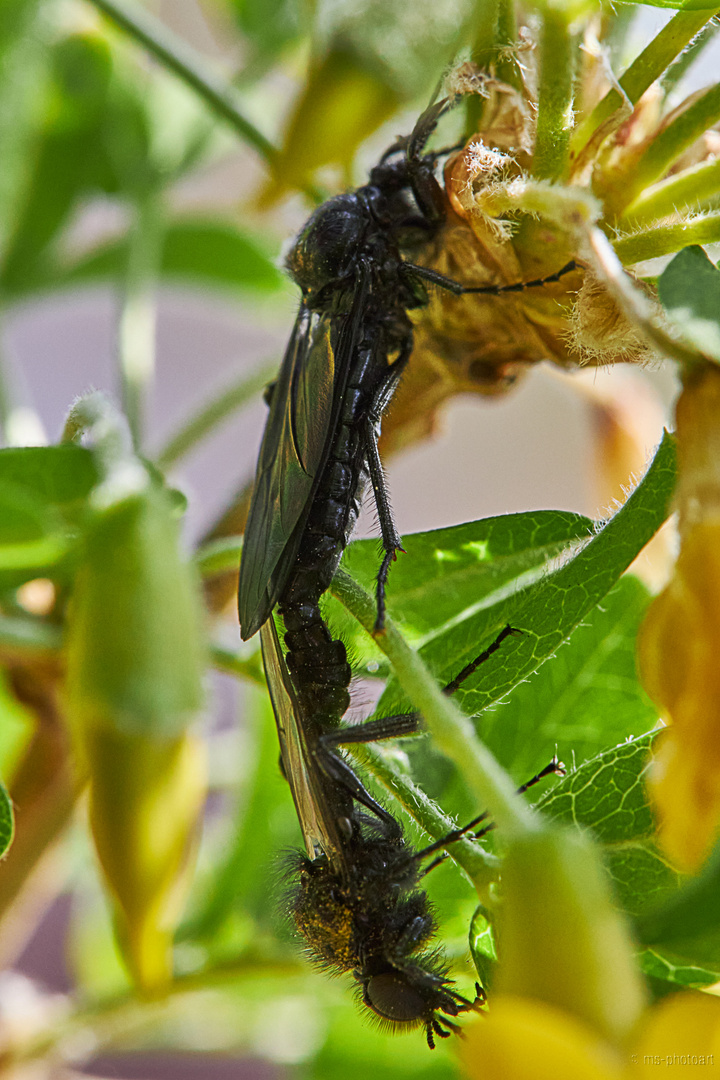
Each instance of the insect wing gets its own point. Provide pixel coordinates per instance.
(295, 443)
(314, 808)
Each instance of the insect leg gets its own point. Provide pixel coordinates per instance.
(391, 539)
(402, 724)
(387, 727)
(554, 767)
(426, 189)
(468, 670)
(457, 289)
(339, 770)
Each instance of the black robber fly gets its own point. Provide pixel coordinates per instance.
(356, 895)
(351, 341)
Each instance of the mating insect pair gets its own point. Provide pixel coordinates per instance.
(358, 903)
(357, 899)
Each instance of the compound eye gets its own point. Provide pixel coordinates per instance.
(392, 997)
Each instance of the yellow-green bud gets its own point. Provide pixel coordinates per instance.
(134, 676)
(135, 657)
(146, 797)
(561, 939)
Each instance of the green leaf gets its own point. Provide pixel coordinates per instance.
(658, 965)
(30, 535)
(549, 610)
(213, 252)
(42, 489)
(23, 67)
(482, 945)
(446, 573)
(681, 925)
(70, 158)
(685, 927)
(607, 795)
(586, 698)
(7, 821)
(59, 475)
(689, 289)
(268, 25)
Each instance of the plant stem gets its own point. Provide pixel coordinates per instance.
(136, 327)
(679, 193)
(555, 94)
(700, 113)
(486, 16)
(507, 68)
(689, 55)
(480, 865)
(232, 397)
(642, 73)
(451, 730)
(633, 302)
(666, 239)
(174, 54)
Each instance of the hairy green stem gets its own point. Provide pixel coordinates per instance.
(634, 304)
(486, 19)
(178, 57)
(679, 193)
(667, 239)
(507, 66)
(451, 730)
(555, 94)
(642, 73)
(229, 399)
(689, 55)
(108, 432)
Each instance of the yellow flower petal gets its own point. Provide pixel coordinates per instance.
(680, 1037)
(685, 793)
(522, 1039)
(678, 651)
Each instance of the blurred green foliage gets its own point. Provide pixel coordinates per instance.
(90, 564)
